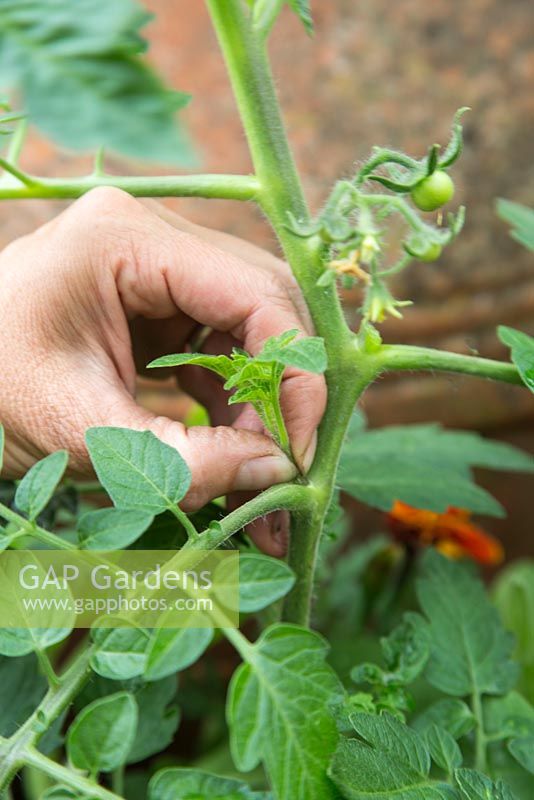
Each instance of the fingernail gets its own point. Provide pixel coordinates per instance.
(306, 460)
(259, 473)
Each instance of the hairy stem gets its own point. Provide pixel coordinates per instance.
(280, 194)
(227, 187)
(406, 357)
(14, 751)
(289, 496)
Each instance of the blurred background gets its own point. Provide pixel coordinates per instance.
(391, 74)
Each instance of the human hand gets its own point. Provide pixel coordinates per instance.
(88, 299)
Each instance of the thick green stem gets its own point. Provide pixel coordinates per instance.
(406, 357)
(13, 751)
(227, 187)
(289, 496)
(280, 194)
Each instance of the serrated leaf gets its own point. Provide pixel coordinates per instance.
(111, 528)
(120, 653)
(308, 354)
(443, 749)
(171, 650)
(470, 652)
(261, 581)
(158, 719)
(84, 84)
(424, 466)
(451, 714)
(521, 218)
(522, 347)
(137, 469)
(184, 784)
(38, 485)
(303, 11)
(392, 760)
(103, 733)
(476, 786)
(221, 365)
(278, 712)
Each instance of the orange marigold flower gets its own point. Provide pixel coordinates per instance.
(451, 532)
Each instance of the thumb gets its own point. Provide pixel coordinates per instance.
(222, 459)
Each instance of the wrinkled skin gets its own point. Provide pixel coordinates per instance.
(88, 299)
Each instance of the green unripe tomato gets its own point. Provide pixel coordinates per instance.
(432, 252)
(433, 192)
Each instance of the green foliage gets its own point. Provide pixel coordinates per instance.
(111, 528)
(158, 719)
(443, 749)
(262, 581)
(388, 759)
(83, 82)
(38, 485)
(21, 690)
(514, 598)
(186, 784)
(257, 379)
(470, 651)
(522, 347)
(21, 641)
(102, 735)
(424, 466)
(125, 653)
(303, 11)
(449, 714)
(137, 469)
(521, 218)
(278, 712)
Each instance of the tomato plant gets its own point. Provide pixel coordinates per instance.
(442, 707)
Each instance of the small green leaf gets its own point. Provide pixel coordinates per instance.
(522, 347)
(523, 752)
(193, 784)
(111, 528)
(171, 650)
(103, 733)
(508, 717)
(443, 749)
(137, 469)
(308, 354)
(158, 719)
(303, 11)
(278, 712)
(120, 652)
(38, 485)
(476, 786)
(262, 581)
(221, 365)
(470, 652)
(521, 218)
(20, 641)
(451, 714)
